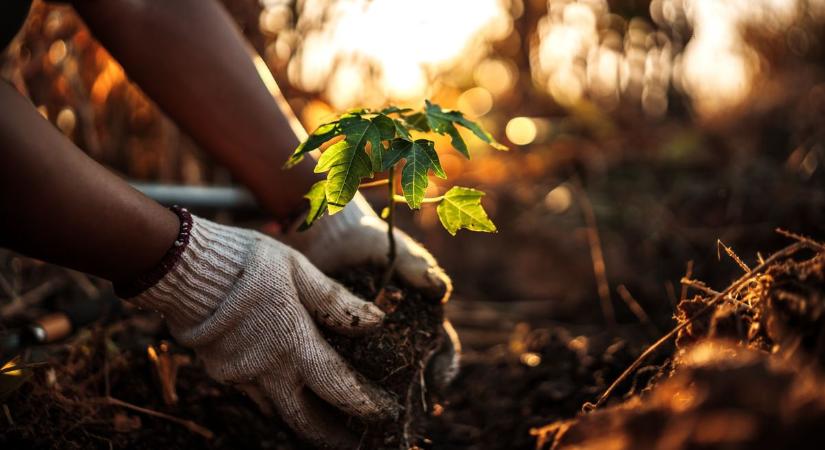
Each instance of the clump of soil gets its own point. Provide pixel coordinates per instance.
(780, 310)
(722, 395)
(767, 336)
(396, 356)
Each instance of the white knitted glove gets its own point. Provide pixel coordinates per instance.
(245, 303)
(356, 236)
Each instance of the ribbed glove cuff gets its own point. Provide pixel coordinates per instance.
(211, 263)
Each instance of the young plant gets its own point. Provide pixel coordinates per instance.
(378, 141)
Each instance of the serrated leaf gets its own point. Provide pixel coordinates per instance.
(381, 129)
(417, 121)
(317, 197)
(347, 163)
(385, 125)
(420, 159)
(442, 122)
(461, 208)
(398, 150)
(401, 129)
(318, 137)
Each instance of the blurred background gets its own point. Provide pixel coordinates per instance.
(640, 133)
(681, 121)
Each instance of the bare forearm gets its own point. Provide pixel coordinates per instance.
(59, 205)
(188, 56)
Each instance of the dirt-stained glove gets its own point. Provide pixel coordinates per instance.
(356, 235)
(248, 305)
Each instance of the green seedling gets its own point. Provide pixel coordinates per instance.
(389, 140)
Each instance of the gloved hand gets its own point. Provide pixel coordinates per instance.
(356, 236)
(248, 305)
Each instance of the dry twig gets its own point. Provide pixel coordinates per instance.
(188, 424)
(785, 252)
(596, 253)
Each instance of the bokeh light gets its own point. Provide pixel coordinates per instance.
(521, 130)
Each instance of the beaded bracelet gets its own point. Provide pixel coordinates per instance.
(167, 263)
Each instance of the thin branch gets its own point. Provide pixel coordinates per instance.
(391, 254)
(634, 306)
(596, 254)
(376, 183)
(14, 367)
(688, 274)
(785, 252)
(188, 424)
(732, 254)
(400, 199)
(803, 239)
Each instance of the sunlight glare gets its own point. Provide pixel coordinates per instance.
(407, 42)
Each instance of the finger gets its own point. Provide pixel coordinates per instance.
(307, 415)
(445, 364)
(415, 265)
(332, 305)
(329, 376)
(258, 396)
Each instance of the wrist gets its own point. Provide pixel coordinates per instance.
(202, 268)
(139, 284)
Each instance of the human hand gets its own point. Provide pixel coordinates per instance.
(248, 305)
(357, 236)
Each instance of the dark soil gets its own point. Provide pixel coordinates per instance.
(396, 356)
(747, 374)
(500, 395)
(722, 396)
(742, 376)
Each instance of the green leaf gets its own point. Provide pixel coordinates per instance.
(356, 112)
(385, 125)
(401, 129)
(442, 122)
(381, 129)
(317, 204)
(417, 121)
(461, 208)
(398, 150)
(321, 135)
(420, 159)
(347, 163)
(395, 109)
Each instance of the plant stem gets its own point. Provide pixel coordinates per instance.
(401, 199)
(373, 184)
(390, 229)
